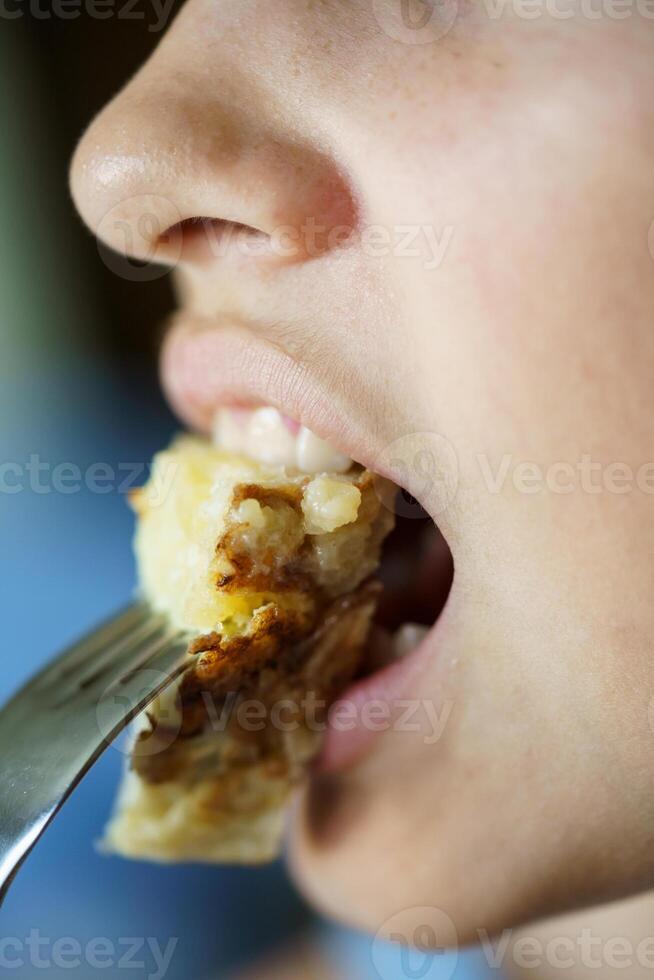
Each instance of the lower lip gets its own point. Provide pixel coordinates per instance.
(366, 709)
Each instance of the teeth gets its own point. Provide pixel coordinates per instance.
(229, 430)
(314, 455)
(266, 436)
(407, 638)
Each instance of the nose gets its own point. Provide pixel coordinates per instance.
(191, 159)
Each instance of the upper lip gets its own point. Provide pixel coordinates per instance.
(211, 362)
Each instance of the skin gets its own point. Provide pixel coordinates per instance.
(614, 941)
(531, 140)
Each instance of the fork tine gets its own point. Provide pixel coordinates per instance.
(110, 631)
(126, 648)
(141, 685)
(133, 658)
(150, 651)
(114, 661)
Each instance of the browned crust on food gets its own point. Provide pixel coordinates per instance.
(226, 664)
(263, 572)
(290, 493)
(280, 661)
(247, 576)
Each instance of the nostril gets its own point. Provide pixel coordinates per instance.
(204, 239)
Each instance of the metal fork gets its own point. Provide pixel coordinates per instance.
(61, 721)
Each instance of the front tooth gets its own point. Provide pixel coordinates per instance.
(266, 436)
(269, 439)
(407, 638)
(229, 431)
(314, 455)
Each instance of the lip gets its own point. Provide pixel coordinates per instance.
(344, 745)
(208, 363)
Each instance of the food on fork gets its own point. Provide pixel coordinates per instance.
(267, 563)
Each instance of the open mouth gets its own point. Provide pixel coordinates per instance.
(265, 548)
(416, 571)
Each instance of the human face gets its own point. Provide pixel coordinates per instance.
(431, 243)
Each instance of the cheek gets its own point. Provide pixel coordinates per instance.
(538, 227)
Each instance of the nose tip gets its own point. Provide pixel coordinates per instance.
(157, 158)
(116, 191)
(132, 174)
